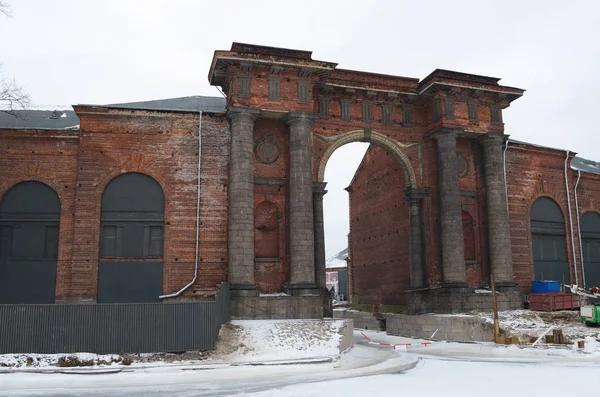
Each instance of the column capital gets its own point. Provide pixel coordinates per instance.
(236, 112)
(445, 133)
(319, 188)
(302, 117)
(492, 139)
(416, 193)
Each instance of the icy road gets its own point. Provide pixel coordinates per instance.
(447, 369)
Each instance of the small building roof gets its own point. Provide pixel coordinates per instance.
(338, 260)
(40, 119)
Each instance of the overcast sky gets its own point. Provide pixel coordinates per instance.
(69, 52)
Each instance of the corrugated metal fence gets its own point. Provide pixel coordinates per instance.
(113, 328)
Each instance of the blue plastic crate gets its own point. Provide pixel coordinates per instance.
(544, 287)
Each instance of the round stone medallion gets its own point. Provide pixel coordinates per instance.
(266, 150)
(463, 165)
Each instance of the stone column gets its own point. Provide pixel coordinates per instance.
(302, 243)
(414, 197)
(241, 201)
(453, 257)
(318, 193)
(497, 210)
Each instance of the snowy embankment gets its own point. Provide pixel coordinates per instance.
(278, 340)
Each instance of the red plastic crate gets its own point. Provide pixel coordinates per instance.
(554, 301)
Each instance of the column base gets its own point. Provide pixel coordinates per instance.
(243, 290)
(454, 284)
(302, 289)
(506, 286)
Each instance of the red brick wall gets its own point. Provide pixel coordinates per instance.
(533, 173)
(112, 142)
(380, 224)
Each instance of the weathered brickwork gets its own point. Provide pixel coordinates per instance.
(380, 231)
(162, 145)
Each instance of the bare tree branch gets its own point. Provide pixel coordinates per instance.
(5, 8)
(12, 96)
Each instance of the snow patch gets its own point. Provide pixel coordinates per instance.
(32, 360)
(274, 340)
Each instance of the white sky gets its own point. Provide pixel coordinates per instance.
(69, 52)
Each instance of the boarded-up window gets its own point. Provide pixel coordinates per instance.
(131, 246)
(29, 234)
(473, 116)
(407, 116)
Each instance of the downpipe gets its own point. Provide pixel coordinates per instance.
(505, 183)
(570, 215)
(579, 228)
(175, 294)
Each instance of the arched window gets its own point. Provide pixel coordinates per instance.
(131, 244)
(548, 238)
(29, 227)
(590, 243)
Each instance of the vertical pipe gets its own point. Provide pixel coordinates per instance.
(174, 294)
(579, 228)
(570, 215)
(505, 182)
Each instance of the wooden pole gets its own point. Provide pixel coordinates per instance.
(495, 308)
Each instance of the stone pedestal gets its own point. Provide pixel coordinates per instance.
(241, 202)
(459, 300)
(453, 257)
(497, 211)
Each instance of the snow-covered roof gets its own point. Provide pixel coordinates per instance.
(584, 165)
(62, 117)
(338, 260)
(40, 119)
(186, 103)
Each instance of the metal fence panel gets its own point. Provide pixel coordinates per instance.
(113, 328)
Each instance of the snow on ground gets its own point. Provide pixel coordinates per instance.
(272, 340)
(442, 368)
(203, 381)
(449, 379)
(485, 351)
(527, 324)
(38, 361)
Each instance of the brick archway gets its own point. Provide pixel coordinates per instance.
(414, 196)
(394, 147)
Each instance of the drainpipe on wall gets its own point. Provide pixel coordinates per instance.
(570, 215)
(174, 294)
(579, 228)
(505, 183)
